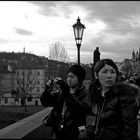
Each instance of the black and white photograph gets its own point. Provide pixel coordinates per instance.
(70, 70)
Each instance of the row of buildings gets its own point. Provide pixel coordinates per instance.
(130, 66)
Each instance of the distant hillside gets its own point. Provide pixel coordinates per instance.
(21, 59)
(16, 56)
(28, 60)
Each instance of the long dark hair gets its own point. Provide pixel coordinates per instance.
(95, 86)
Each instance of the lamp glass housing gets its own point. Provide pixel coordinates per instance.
(78, 29)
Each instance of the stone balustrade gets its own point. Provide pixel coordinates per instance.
(25, 127)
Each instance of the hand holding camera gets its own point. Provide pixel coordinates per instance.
(54, 86)
(57, 85)
(61, 83)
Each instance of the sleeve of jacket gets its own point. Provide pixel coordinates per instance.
(47, 100)
(128, 111)
(90, 126)
(78, 105)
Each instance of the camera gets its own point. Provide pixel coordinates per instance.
(54, 85)
(54, 81)
(58, 80)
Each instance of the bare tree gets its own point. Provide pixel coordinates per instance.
(25, 83)
(58, 52)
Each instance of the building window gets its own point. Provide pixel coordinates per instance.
(30, 72)
(30, 82)
(23, 72)
(38, 89)
(6, 100)
(17, 72)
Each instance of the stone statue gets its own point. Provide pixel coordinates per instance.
(96, 55)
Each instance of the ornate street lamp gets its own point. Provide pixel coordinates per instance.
(78, 29)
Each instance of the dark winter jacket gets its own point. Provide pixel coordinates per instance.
(114, 116)
(76, 110)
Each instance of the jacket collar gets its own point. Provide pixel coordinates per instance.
(80, 90)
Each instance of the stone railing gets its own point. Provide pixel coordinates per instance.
(26, 127)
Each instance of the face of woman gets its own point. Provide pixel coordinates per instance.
(107, 76)
(72, 80)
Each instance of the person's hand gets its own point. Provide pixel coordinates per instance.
(65, 89)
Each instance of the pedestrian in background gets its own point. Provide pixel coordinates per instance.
(137, 79)
(114, 105)
(71, 100)
(132, 80)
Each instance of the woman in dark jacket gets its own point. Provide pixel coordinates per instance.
(72, 99)
(114, 105)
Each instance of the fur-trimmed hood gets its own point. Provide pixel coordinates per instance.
(127, 89)
(118, 89)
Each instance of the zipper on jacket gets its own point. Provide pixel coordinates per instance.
(99, 114)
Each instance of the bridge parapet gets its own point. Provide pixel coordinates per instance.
(25, 126)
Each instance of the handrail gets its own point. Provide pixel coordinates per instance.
(24, 126)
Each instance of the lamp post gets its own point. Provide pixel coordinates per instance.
(78, 29)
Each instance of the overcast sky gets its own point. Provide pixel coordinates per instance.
(113, 26)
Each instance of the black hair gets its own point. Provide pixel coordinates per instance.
(79, 71)
(100, 64)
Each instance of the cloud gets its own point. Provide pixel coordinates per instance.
(3, 40)
(53, 9)
(23, 31)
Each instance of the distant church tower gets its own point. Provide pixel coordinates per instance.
(136, 60)
(133, 56)
(24, 50)
(137, 55)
